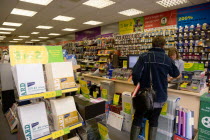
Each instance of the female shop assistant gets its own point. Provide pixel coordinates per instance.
(174, 55)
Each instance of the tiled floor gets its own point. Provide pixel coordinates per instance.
(4, 128)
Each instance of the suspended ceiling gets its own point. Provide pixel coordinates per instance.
(72, 8)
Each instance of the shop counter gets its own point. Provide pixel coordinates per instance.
(189, 100)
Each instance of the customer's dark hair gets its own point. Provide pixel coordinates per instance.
(158, 42)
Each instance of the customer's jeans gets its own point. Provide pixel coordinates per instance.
(152, 116)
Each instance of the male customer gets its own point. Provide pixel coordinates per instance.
(161, 66)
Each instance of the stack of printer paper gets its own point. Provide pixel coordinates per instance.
(59, 75)
(64, 112)
(29, 78)
(33, 119)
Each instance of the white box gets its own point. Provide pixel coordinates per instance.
(127, 122)
(33, 119)
(127, 103)
(64, 112)
(59, 75)
(29, 79)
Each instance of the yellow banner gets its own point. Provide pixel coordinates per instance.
(126, 26)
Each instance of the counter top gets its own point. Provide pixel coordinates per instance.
(169, 90)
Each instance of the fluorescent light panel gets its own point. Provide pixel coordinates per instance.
(35, 40)
(12, 24)
(28, 42)
(5, 32)
(170, 3)
(63, 18)
(69, 29)
(23, 12)
(131, 12)
(13, 41)
(99, 3)
(44, 27)
(91, 22)
(24, 36)
(54, 34)
(39, 2)
(44, 37)
(2, 36)
(7, 29)
(17, 39)
(35, 33)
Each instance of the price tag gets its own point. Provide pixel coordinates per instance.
(186, 77)
(57, 134)
(127, 108)
(95, 94)
(195, 88)
(49, 94)
(164, 109)
(75, 126)
(116, 99)
(66, 130)
(125, 63)
(104, 93)
(58, 92)
(31, 96)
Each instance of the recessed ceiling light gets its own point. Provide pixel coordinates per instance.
(99, 3)
(17, 39)
(63, 18)
(12, 24)
(28, 42)
(2, 36)
(23, 12)
(7, 29)
(54, 34)
(35, 33)
(92, 22)
(44, 27)
(40, 2)
(170, 3)
(13, 41)
(44, 37)
(24, 36)
(5, 32)
(35, 40)
(131, 12)
(69, 29)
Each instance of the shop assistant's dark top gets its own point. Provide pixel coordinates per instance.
(161, 66)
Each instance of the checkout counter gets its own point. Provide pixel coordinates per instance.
(190, 100)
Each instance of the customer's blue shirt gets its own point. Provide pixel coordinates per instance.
(161, 66)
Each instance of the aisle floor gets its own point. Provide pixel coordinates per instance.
(4, 128)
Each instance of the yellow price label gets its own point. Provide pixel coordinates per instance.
(164, 109)
(75, 126)
(104, 93)
(95, 93)
(57, 134)
(116, 99)
(50, 94)
(194, 87)
(66, 130)
(125, 63)
(186, 76)
(31, 96)
(46, 137)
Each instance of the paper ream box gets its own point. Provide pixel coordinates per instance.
(64, 112)
(60, 76)
(29, 79)
(33, 119)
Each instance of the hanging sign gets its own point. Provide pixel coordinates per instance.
(126, 26)
(193, 15)
(193, 66)
(35, 54)
(161, 19)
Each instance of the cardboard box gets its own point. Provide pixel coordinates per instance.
(127, 103)
(60, 76)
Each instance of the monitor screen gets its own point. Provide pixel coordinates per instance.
(132, 59)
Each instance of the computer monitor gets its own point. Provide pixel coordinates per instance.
(132, 59)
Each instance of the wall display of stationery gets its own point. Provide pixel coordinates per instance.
(137, 43)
